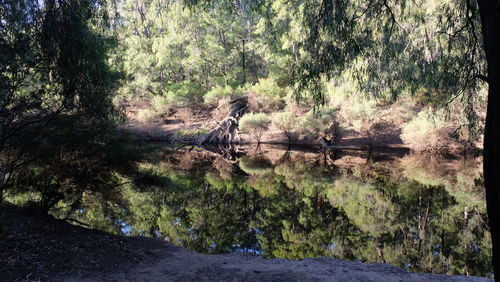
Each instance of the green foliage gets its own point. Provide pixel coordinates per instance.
(286, 122)
(424, 170)
(55, 81)
(162, 105)
(359, 114)
(190, 132)
(364, 205)
(267, 95)
(168, 44)
(255, 124)
(218, 93)
(319, 122)
(301, 208)
(186, 94)
(429, 130)
(146, 116)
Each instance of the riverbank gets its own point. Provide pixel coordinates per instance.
(385, 129)
(36, 247)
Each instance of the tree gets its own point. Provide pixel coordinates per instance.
(54, 79)
(340, 33)
(369, 34)
(490, 11)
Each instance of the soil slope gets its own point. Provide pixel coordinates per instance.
(181, 265)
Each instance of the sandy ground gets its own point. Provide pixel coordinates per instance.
(176, 264)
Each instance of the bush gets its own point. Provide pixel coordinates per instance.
(255, 124)
(162, 105)
(286, 122)
(267, 95)
(146, 116)
(360, 114)
(218, 93)
(427, 131)
(320, 123)
(184, 94)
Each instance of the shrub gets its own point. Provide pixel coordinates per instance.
(286, 122)
(320, 123)
(365, 205)
(360, 113)
(267, 95)
(190, 132)
(427, 131)
(256, 165)
(218, 93)
(184, 94)
(255, 124)
(162, 105)
(146, 116)
(425, 169)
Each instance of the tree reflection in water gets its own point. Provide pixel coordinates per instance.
(422, 213)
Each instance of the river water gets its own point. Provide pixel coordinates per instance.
(421, 212)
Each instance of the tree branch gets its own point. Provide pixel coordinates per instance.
(483, 78)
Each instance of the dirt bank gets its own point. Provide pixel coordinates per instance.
(181, 265)
(188, 126)
(36, 247)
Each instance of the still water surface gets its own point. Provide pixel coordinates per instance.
(423, 213)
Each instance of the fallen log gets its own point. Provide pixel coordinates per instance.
(227, 130)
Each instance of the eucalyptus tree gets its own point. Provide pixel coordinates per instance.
(164, 45)
(339, 34)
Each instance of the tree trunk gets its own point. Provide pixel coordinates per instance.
(490, 13)
(243, 59)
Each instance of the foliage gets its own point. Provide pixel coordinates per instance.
(162, 105)
(266, 95)
(165, 44)
(256, 165)
(146, 116)
(301, 208)
(362, 203)
(286, 122)
(186, 94)
(255, 124)
(429, 130)
(192, 132)
(218, 93)
(320, 123)
(359, 114)
(55, 79)
(318, 120)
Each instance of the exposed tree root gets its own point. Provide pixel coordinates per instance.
(227, 130)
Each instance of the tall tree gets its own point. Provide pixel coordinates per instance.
(490, 13)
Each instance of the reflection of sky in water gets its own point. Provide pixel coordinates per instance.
(125, 228)
(238, 248)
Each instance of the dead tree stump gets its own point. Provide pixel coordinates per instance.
(227, 130)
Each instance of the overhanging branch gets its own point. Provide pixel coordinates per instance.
(483, 78)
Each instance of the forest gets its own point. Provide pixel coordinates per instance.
(161, 118)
